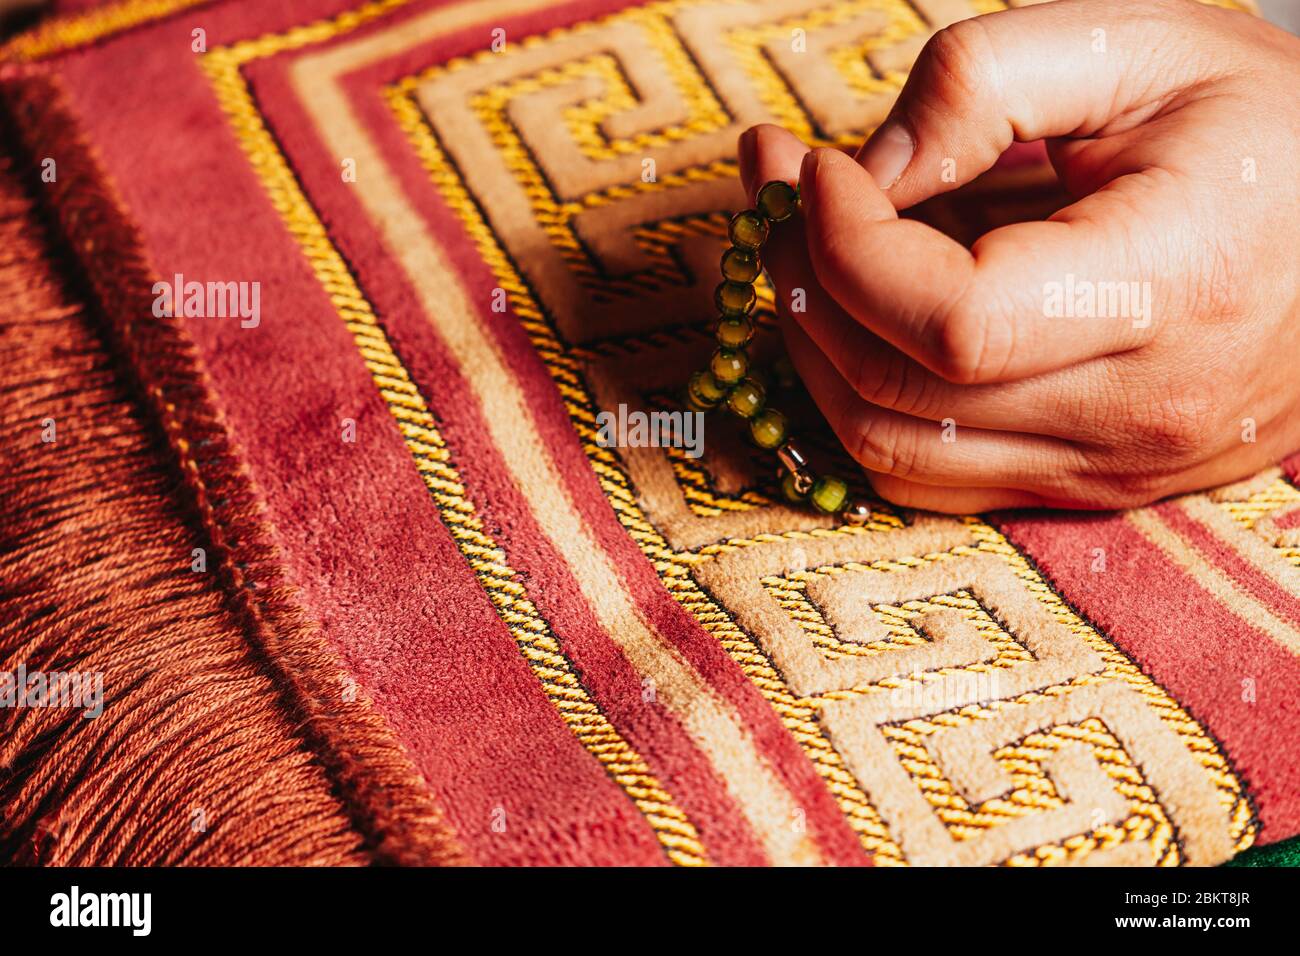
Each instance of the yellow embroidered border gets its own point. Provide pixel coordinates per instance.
(1033, 791)
(747, 45)
(431, 457)
(1232, 797)
(791, 594)
(79, 29)
(799, 716)
(71, 31)
(706, 115)
(538, 645)
(1280, 494)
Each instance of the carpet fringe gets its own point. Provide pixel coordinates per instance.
(75, 790)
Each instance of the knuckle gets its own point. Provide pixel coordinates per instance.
(1116, 491)
(1108, 479)
(1108, 414)
(1130, 489)
(1101, 478)
(960, 345)
(887, 450)
(1218, 292)
(1175, 428)
(953, 63)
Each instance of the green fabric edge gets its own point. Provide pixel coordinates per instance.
(1286, 853)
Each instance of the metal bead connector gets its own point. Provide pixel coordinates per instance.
(794, 462)
(857, 513)
(792, 458)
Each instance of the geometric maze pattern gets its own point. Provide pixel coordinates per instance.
(969, 700)
(602, 207)
(1268, 506)
(952, 703)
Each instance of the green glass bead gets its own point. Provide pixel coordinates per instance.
(747, 398)
(734, 331)
(734, 298)
(729, 365)
(790, 489)
(705, 389)
(748, 230)
(740, 265)
(693, 404)
(829, 494)
(768, 428)
(777, 201)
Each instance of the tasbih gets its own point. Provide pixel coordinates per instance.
(729, 379)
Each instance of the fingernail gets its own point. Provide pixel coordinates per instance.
(808, 173)
(747, 150)
(808, 170)
(887, 153)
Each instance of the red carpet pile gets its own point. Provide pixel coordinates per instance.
(308, 311)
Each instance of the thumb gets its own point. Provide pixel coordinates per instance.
(1076, 68)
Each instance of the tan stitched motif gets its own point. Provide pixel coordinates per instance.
(1072, 754)
(1073, 679)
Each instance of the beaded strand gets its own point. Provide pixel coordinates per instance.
(730, 381)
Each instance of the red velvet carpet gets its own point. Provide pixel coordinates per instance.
(439, 622)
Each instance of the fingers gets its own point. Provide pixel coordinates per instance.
(881, 374)
(949, 500)
(768, 153)
(913, 467)
(930, 452)
(1054, 404)
(1011, 308)
(1059, 69)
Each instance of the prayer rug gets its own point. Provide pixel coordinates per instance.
(309, 312)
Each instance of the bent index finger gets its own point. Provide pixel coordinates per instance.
(970, 318)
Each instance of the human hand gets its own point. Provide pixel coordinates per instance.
(1175, 127)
